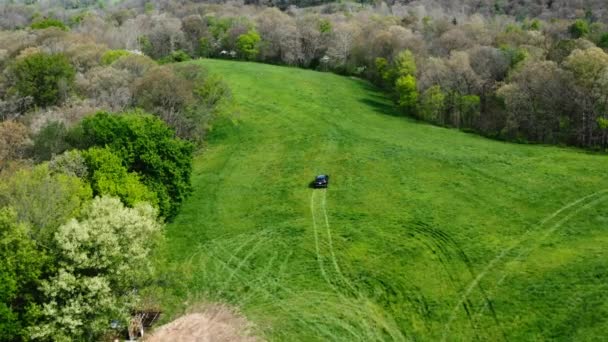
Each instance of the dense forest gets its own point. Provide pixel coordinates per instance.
(98, 123)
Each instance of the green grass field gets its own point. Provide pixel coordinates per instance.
(425, 233)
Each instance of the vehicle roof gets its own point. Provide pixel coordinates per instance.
(321, 176)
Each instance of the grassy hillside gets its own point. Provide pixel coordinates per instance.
(424, 233)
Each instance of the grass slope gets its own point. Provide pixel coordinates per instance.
(424, 234)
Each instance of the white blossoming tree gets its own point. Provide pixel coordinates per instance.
(102, 260)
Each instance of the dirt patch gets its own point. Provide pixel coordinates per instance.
(216, 323)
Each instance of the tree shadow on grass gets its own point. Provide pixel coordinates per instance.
(381, 106)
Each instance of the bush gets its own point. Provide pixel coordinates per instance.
(176, 57)
(46, 78)
(48, 22)
(148, 147)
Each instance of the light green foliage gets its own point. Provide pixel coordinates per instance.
(148, 147)
(590, 67)
(108, 176)
(407, 91)
(43, 199)
(112, 56)
(420, 221)
(102, 258)
(580, 28)
(46, 78)
(48, 22)
(383, 68)
(432, 105)
(405, 64)
(175, 57)
(468, 109)
(325, 26)
(20, 267)
(248, 45)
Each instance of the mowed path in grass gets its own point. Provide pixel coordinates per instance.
(425, 233)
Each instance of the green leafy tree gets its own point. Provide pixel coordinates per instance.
(248, 45)
(432, 105)
(112, 56)
(49, 141)
(147, 146)
(407, 91)
(48, 22)
(43, 199)
(47, 78)
(20, 269)
(405, 64)
(101, 258)
(108, 176)
(603, 43)
(383, 68)
(580, 28)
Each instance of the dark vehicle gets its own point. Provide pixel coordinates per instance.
(321, 181)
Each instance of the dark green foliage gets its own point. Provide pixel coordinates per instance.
(108, 176)
(580, 28)
(514, 55)
(603, 43)
(49, 141)
(44, 77)
(147, 146)
(20, 267)
(49, 22)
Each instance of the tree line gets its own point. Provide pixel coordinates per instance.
(518, 78)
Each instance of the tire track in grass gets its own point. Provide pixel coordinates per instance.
(491, 265)
(331, 248)
(394, 332)
(317, 248)
(268, 294)
(526, 252)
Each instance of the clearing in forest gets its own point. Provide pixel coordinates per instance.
(425, 233)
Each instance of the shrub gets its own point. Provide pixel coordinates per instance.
(46, 78)
(175, 57)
